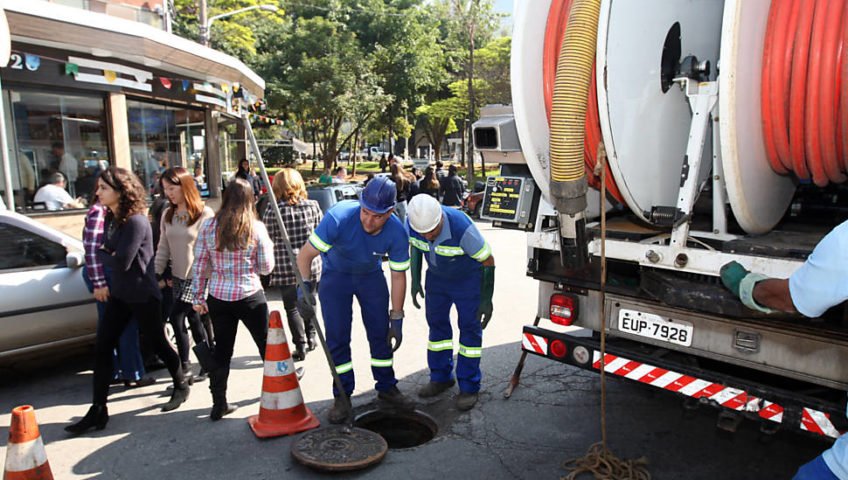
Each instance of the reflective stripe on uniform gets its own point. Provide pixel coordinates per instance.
(380, 363)
(483, 253)
(319, 244)
(440, 345)
(419, 244)
(399, 266)
(470, 352)
(446, 251)
(344, 368)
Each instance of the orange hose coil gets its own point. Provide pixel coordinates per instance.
(803, 101)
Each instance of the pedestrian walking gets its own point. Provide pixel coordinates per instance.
(300, 217)
(460, 273)
(429, 184)
(245, 174)
(383, 163)
(231, 252)
(178, 228)
(352, 240)
(451, 189)
(127, 251)
(403, 183)
(127, 363)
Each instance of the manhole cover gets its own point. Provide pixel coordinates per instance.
(339, 449)
(400, 429)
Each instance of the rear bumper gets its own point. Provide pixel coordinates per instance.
(772, 406)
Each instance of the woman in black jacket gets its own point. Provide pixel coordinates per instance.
(128, 251)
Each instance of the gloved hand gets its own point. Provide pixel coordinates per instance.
(306, 301)
(415, 266)
(741, 282)
(395, 329)
(487, 289)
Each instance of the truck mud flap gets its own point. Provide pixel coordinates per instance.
(754, 401)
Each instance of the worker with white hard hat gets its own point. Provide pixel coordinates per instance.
(460, 272)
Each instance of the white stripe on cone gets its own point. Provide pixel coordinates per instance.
(279, 368)
(21, 457)
(276, 336)
(282, 400)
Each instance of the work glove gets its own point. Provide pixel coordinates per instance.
(741, 282)
(487, 289)
(306, 301)
(395, 329)
(415, 266)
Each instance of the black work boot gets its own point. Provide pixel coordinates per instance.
(340, 411)
(218, 387)
(299, 352)
(466, 401)
(396, 399)
(434, 388)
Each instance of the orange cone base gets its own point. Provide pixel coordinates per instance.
(265, 429)
(41, 472)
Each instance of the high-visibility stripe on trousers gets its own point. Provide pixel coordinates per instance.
(440, 295)
(336, 292)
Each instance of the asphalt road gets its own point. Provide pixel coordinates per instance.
(552, 417)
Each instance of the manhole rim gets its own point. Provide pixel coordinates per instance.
(422, 418)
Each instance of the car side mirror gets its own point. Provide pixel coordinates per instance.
(75, 259)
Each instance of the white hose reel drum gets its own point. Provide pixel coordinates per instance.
(646, 124)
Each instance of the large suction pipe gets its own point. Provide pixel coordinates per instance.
(568, 117)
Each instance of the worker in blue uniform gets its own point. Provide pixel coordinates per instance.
(352, 240)
(460, 273)
(818, 285)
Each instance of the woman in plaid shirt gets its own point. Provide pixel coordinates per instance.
(300, 216)
(232, 251)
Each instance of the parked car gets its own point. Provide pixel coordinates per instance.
(472, 204)
(46, 306)
(329, 195)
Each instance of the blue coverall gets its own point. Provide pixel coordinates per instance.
(352, 266)
(453, 278)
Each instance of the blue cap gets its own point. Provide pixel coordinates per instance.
(379, 195)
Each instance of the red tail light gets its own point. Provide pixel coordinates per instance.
(558, 349)
(563, 309)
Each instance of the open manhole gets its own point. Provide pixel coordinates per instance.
(399, 429)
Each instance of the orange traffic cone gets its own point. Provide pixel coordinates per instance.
(25, 455)
(281, 408)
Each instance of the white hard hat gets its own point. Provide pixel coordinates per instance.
(424, 213)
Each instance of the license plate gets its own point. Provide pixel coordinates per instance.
(656, 327)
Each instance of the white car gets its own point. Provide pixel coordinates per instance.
(44, 303)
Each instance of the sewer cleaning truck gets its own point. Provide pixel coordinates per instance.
(717, 132)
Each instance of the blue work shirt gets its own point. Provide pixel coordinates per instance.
(457, 251)
(345, 246)
(821, 283)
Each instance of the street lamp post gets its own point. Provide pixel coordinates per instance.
(206, 25)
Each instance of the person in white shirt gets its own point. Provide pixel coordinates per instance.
(54, 195)
(68, 165)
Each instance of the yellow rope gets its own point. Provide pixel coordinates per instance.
(599, 460)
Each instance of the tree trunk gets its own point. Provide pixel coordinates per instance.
(353, 152)
(471, 107)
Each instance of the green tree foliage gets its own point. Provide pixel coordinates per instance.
(340, 71)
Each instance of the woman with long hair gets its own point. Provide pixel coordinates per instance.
(232, 251)
(429, 184)
(179, 227)
(300, 217)
(128, 366)
(403, 180)
(128, 251)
